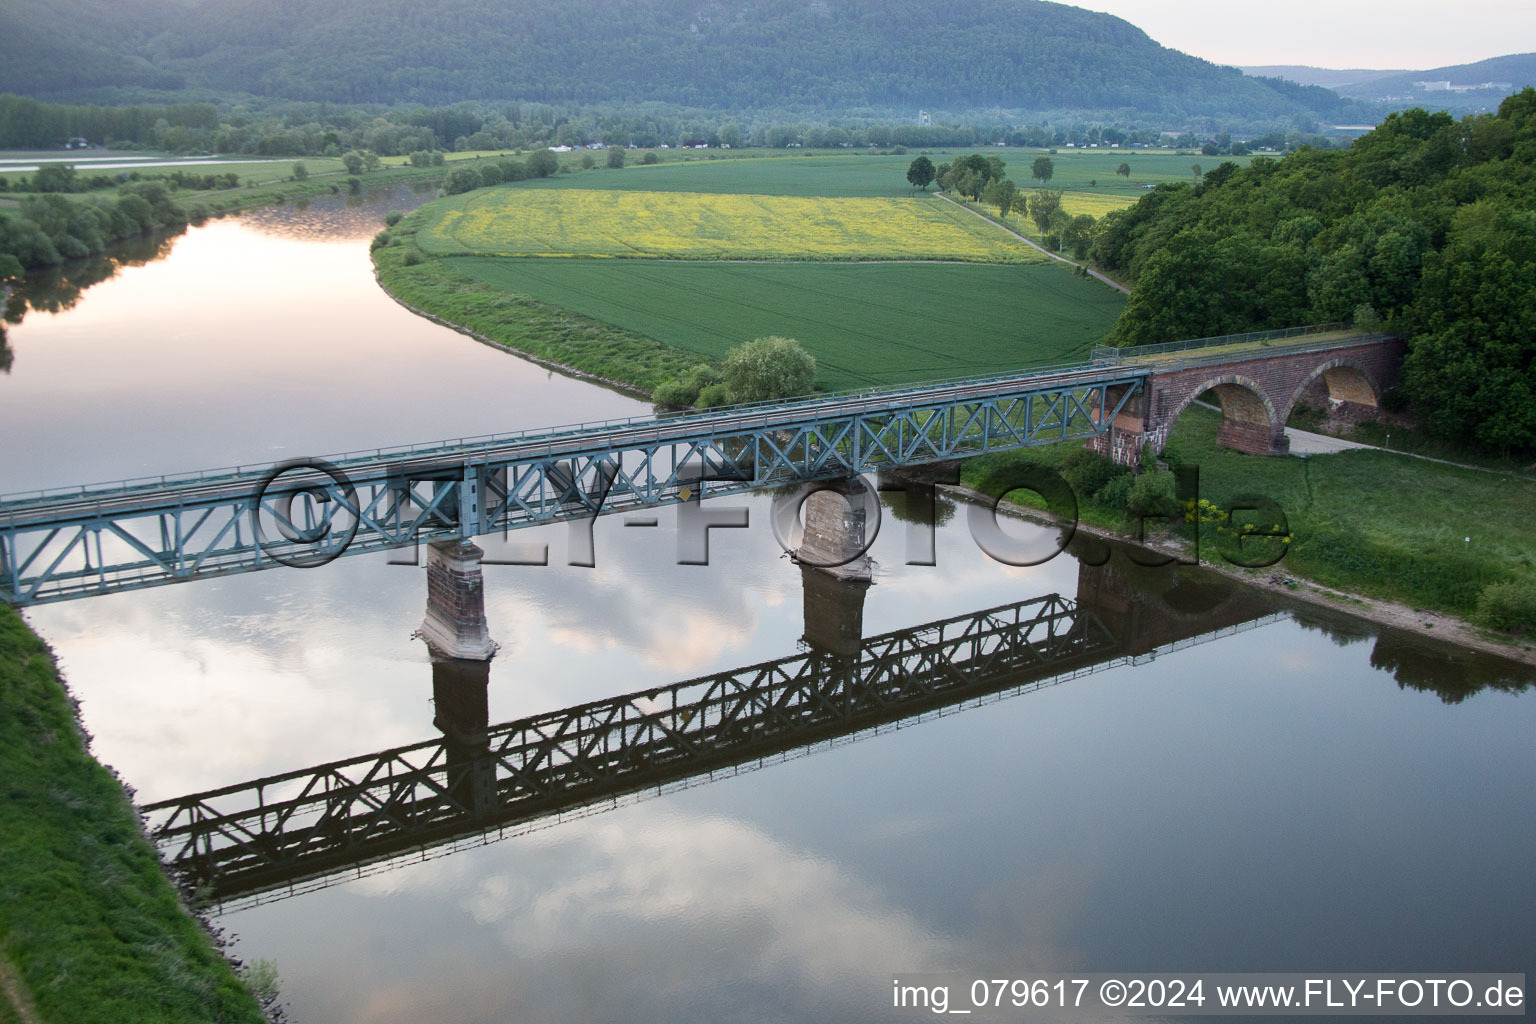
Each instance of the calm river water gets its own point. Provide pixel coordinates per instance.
(1308, 794)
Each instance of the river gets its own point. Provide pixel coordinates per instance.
(1308, 792)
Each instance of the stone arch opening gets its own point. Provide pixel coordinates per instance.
(1339, 389)
(1248, 420)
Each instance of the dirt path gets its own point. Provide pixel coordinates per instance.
(15, 994)
(1117, 286)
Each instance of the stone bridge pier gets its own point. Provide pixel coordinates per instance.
(454, 626)
(1256, 389)
(835, 534)
(835, 573)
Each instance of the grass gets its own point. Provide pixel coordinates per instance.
(698, 225)
(88, 922)
(526, 325)
(865, 323)
(1372, 523)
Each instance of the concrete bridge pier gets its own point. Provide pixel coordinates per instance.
(834, 537)
(454, 627)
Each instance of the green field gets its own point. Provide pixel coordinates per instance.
(869, 323)
(641, 321)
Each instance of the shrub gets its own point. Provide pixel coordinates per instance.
(462, 179)
(684, 389)
(411, 258)
(392, 218)
(1086, 471)
(300, 172)
(1153, 494)
(1116, 494)
(1508, 606)
(649, 158)
(615, 157)
(380, 240)
(674, 391)
(715, 396)
(768, 368)
(542, 164)
(355, 186)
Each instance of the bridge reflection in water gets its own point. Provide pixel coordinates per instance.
(303, 830)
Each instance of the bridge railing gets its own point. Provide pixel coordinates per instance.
(1110, 354)
(879, 394)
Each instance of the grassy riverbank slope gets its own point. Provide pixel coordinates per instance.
(90, 929)
(1379, 524)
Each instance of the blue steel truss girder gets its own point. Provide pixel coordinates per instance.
(126, 536)
(275, 830)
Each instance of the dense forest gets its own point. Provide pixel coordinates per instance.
(1427, 224)
(1020, 55)
(329, 129)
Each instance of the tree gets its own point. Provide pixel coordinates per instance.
(1042, 169)
(769, 368)
(650, 158)
(300, 172)
(54, 178)
(1044, 205)
(615, 157)
(1195, 170)
(1001, 194)
(921, 173)
(542, 164)
(587, 162)
(462, 179)
(1124, 170)
(353, 162)
(1076, 233)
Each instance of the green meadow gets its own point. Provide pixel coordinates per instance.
(866, 323)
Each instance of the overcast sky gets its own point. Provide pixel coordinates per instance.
(1412, 34)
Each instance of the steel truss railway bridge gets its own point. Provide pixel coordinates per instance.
(69, 543)
(292, 833)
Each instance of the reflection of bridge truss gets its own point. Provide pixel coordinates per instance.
(306, 829)
(277, 831)
(56, 545)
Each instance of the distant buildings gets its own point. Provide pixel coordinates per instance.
(1448, 87)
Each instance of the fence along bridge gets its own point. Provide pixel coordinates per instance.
(311, 828)
(62, 544)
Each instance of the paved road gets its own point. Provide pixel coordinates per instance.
(1035, 245)
(1304, 443)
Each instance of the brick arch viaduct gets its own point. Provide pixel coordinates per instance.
(1256, 385)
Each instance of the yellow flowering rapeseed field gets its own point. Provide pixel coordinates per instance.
(710, 226)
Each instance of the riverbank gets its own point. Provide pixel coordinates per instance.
(553, 337)
(90, 928)
(1398, 540)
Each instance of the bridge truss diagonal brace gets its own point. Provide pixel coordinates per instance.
(126, 538)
